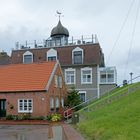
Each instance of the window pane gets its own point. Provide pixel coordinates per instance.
(86, 72)
(52, 58)
(86, 75)
(88, 78)
(70, 72)
(103, 78)
(69, 77)
(51, 102)
(60, 81)
(29, 105)
(25, 105)
(82, 97)
(62, 102)
(27, 59)
(84, 78)
(110, 78)
(72, 79)
(57, 102)
(77, 57)
(56, 81)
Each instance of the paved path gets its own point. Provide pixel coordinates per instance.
(38, 132)
(71, 133)
(23, 132)
(57, 132)
(65, 132)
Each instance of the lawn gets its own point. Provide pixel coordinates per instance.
(119, 120)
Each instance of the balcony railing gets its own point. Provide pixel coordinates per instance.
(57, 43)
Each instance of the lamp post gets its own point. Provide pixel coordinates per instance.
(131, 73)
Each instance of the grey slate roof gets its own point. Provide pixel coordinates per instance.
(59, 30)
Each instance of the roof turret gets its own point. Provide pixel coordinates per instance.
(59, 30)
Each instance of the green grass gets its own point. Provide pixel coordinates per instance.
(119, 120)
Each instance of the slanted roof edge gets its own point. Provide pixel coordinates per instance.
(52, 75)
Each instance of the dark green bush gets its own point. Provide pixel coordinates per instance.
(10, 117)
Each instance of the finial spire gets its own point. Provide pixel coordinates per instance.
(59, 14)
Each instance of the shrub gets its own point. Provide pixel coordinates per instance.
(49, 117)
(56, 117)
(38, 118)
(73, 98)
(26, 116)
(9, 117)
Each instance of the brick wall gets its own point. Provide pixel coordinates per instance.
(41, 100)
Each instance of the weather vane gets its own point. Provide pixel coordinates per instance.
(59, 14)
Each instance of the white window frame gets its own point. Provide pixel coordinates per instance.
(56, 80)
(62, 101)
(106, 72)
(57, 103)
(52, 103)
(27, 53)
(51, 53)
(76, 50)
(85, 69)
(70, 70)
(60, 81)
(23, 101)
(84, 93)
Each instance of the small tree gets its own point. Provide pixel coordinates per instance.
(73, 98)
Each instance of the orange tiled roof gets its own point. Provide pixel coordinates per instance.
(25, 77)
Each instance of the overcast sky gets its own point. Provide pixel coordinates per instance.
(30, 20)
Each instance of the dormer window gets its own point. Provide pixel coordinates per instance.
(27, 57)
(77, 56)
(51, 55)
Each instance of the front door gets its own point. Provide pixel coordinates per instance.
(2, 108)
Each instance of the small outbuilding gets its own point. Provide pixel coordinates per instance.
(36, 88)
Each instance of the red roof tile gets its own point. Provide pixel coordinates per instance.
(25, 77)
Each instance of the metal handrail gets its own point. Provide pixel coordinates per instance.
(43, 44)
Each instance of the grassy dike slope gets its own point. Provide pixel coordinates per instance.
(119, 120)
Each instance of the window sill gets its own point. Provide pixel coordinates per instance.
(112, 83)
(70, 83)
(86, 83)
(25, 111)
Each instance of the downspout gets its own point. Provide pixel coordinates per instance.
(98, 84)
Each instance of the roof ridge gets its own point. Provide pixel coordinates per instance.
(23, 64)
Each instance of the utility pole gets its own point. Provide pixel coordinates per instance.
(131, 73)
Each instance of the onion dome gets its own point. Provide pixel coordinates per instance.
(59, 30)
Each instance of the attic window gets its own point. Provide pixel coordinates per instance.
(52, 55)
(77, 56)
(27, 57)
